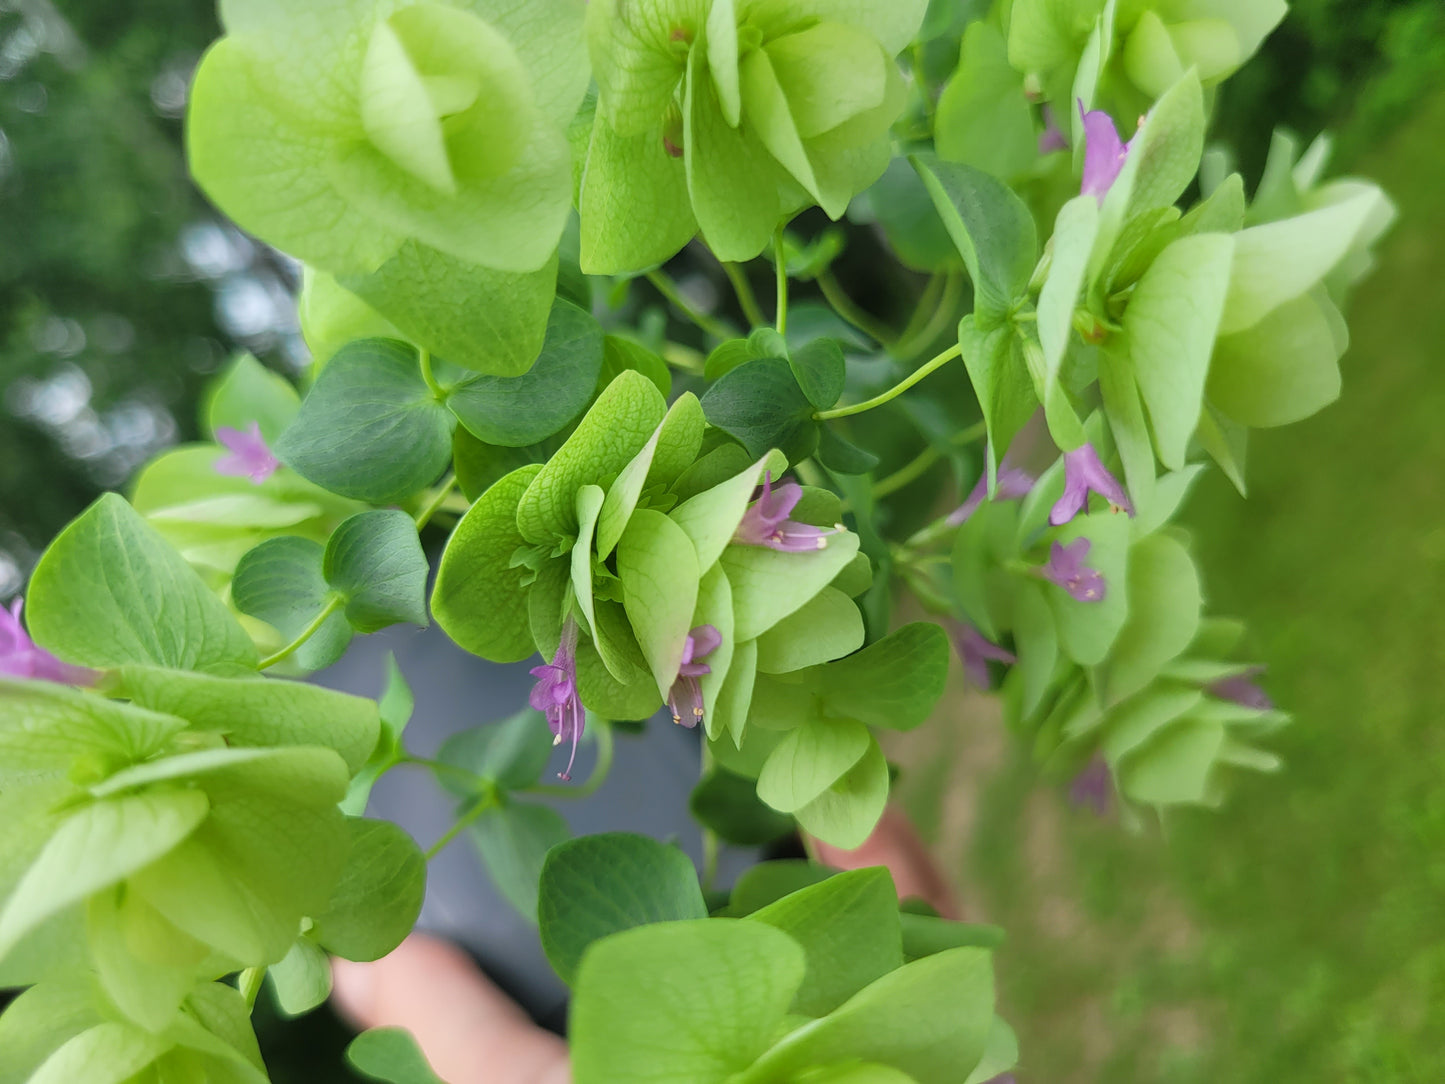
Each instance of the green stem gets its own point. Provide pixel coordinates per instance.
(927, 304)
(439, 392)
(845, 307)
(475, 781)
(780, 265)
(475, 810)
(668, 289)
(923, 371)
(332, 605)
(746, 298)
(942, 316)
(249, 984)
(909, 473)
(600, 770)
(434, 505)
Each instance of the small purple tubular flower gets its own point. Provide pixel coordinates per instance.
(249, 458)
(555, 694)
(1067, 569)
(976, 652)
(686, 693)
(1091, 787)
(20, 658)
(1013, 485)
(1104, 153)
(1243, 689)
(1083, 474)
(766, 522)
(1052, 138)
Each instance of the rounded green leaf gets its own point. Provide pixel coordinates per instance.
(377, 900)
(728, 804)
(809, 760)
(893, 683)
(1284, 368)
(847, 812)
(1164, 608)
(513, 839)
(281, 583)
(390, 1055)
(249, 392)
(827, 627)
(659, 572)
(374, 561)
(768, 585)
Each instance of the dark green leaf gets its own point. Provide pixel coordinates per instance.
(820, 371)
(513, 839)
(923, 935)
(839, 455)
(376, 902)
(728, 804)
(390, 1055)
(893, 683)
(374, 560)
(761, 404)
(619, 354)
(281, 582)
(511, 753)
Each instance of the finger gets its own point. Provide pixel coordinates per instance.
(469, 1030)
(895, 844)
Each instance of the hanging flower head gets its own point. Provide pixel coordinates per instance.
(1104, 153)
(1084, 473)
(1067, 569)
(766, 522)
(249, 455)
(685, 696)
(555, 694)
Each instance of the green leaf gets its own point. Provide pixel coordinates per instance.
(145, 965)
(659, 572)
(612, 432)
(1127, 425)
(1001, 382)
(396, 705)
(1164, 609)
(1132, 723)
(479, 598)
(761, 404)
(513, 839)
(1170, 326)
(728, 804)
(109, 590)
(711, 517)
(1037, 646)
(370, 428)
(983, 117)
(768, 882)
(911, 223)
(481, 319)
(893, 683)
(378, 898)
(108, 1053)
(1000, 1054)
(715, 608)
(1174, 766)
(248, 392)
(1284, 368)
(374, 560)
(602, 884)
(768, 585)
(302, 980)
(848, 927)
(390, 1055)
(95, 847)
(826, 627)
(1087, 630)
(694, 1001)
(930, 1018)
(847, 812)
(729, 714)
(992, 228)
(1074, 232)
(281, 582)
(511, 753)
(514, 411)
(841, 456)
(670, 451)
(620, 354)
(1277, 262)
(820, 371)
(809, 760)
(924, 935)
(259, 712)
(40, 1020)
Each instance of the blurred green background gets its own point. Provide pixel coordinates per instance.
(1293, 936)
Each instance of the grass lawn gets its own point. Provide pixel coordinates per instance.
(1299, 933)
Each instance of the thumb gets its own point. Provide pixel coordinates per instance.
(470, 1031)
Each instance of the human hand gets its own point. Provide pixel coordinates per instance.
(472, 1033)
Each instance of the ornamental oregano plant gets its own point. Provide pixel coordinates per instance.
(719, 522)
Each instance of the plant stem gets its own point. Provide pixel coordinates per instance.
(434, 505)
(927, 303)
(908, 348)
(600, 770)
(332, 605)
(911, 472)
(780, 265)
(477, 808)
(845, 307)
(249, 984)
(440, 393)
(923, 371)
(746, 298)
(668, 289)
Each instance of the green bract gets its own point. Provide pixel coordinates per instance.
(727, 116)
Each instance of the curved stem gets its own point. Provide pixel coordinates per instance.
(780, 264)
(332, 605)
(923, 371)
(910, 472)
(475, 810)
(927, 303)
(668, 289)
(906, 349)
(434, 505)
(424, 356)
(845, 307)
(600, 770)
(746, 298)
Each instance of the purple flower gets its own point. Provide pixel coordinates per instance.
(555, 694)
(766, 522)
(1067, 569)
(1084, 473)
(1052, 138)
(249, 458)
(1104, 153)
(1092, 787)
(686, 692)
(20, 658)
(1243, 689)
(1013, 485)
(976, 652)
